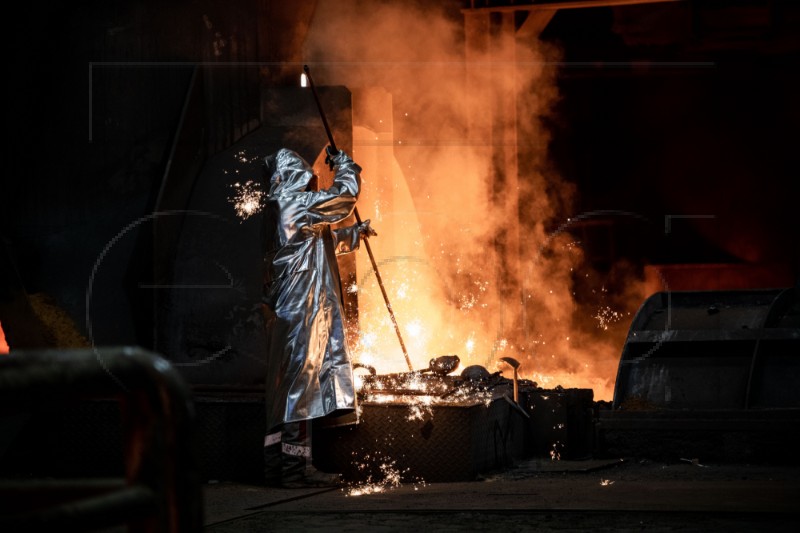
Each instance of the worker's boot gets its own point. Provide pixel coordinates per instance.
(297, 470)
(273, 458)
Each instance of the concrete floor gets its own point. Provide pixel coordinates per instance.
(537, 495)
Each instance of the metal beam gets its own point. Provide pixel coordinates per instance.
(572, 4)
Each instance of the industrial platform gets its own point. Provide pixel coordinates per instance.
(537, 495)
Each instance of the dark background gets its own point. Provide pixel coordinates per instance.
(685, 108)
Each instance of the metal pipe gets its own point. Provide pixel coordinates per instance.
(310, 81)
(158, 423)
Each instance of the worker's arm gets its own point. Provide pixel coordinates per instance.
(337, 202)
(348, 239)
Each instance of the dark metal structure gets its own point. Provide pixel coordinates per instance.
(713, 350)
(452, 442)
(711, 374)
(160, 490)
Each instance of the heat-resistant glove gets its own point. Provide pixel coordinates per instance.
(366, 231)
(330, 153)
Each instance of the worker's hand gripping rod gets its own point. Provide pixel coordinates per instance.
(358, 219)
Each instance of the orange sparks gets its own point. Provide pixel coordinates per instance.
(247, 199)
(387, 478)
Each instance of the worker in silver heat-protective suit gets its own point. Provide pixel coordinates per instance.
(309, 374)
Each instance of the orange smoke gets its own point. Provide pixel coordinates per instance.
(428, 190)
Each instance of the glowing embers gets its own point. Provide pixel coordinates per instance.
(555, 452)
(606, 316)
(247, 199)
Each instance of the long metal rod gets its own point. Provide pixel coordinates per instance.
(358, 219)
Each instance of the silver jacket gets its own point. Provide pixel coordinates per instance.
(309, 374)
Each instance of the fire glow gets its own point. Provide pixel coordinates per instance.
(441, 214)
(463, 245)
(4, 348)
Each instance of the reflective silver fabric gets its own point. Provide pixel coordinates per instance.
(309, 373)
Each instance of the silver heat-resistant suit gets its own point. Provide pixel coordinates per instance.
(309, 373)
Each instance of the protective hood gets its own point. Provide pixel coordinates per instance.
(288, 172)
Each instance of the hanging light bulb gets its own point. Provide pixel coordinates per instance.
(303, 80)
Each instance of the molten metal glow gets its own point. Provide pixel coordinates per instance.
(4, 348)
(448, 302)
(470, 345)
(414, 329)
(470, 267)
(420, 406)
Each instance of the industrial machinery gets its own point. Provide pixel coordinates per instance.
(709, 374)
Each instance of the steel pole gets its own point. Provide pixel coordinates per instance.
(358, 219)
